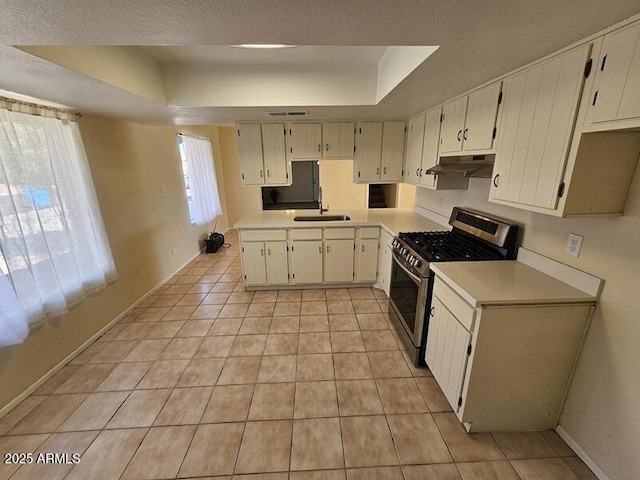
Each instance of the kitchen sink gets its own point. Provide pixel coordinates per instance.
(322, 218)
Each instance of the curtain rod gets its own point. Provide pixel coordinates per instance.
(37, 105)
(179, 134)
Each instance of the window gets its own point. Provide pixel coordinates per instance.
(187, 183)
(53, 243)
(199, 179)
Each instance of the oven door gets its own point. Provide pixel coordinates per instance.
(408, 295)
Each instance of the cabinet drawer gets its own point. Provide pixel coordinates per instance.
(306, 234)
(370, 232)
(339, 233)
(263, 235)
(460, 309)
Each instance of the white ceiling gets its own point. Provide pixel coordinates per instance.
(478, 41)
(286, 56)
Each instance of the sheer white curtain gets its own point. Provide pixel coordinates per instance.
(53, 243)
(202, 179)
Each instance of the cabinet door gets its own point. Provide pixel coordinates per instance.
(482, 111)
(250, 153)
(536, 126)
(306, 261)
(446, 352)
(253, 263)
(430, 145)
(413, 160)
(384, 261)
(338, 260)
(367, 260)
(277, 263)
(339, 140)
(369, 152)
(392, 151)
(616, 88)
(305, 140)
(275, 154)
(453, 115)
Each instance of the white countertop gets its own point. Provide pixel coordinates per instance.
(506, 283)
(391, 219)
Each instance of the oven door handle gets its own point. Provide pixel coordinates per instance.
(415, 278)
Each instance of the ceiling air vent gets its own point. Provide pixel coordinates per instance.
(297, 113)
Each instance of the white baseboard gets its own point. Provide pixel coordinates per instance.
(581, 453)
(16, 401)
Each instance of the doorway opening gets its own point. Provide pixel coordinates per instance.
(301, 194)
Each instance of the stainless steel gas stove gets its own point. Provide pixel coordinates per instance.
(475, 236)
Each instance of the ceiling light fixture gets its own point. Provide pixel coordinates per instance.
(265, 46)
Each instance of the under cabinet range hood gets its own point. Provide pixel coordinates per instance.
(477, 166)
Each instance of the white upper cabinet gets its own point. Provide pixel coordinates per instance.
(369, 152)
(616, 89)
(305, 140)
(338, 140)
(413, 157)
(263, 155)
(250, 153)
(275, 153)
(535, 131)
(482, 111)
(392, 151)
(453, 114)
(430, 145)
(379, 152)
(468, 122)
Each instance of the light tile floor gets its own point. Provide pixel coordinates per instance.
(204, 379)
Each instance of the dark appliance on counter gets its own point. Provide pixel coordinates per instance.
(475, 236)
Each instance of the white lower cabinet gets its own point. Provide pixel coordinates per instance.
(310, 256)
(339, 248)
(264, 257)
(306, 261)
(338, 261)
(385, 260)
(503, 367)
(447, 346)
(366, 254)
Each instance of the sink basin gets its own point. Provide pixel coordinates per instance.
(322, 218)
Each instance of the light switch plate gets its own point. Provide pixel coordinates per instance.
(574, 244)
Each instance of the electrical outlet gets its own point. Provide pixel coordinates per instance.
(574, 244)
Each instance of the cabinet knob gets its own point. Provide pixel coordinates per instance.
(319, 249)
(327, 248)
(384, 170)
(421, 173)
(260, 173)
(327, 147)
(459, 135)
(465, 133)
(495, 180)
(363, 248)
(417, 172)
(378, 171)
(262, 252)
(268, 173)
(319, 147)
(431, 312)
(269, 251)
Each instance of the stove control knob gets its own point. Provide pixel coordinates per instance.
(417, 263)
(410, 258)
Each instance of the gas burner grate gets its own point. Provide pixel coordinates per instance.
(448, 246)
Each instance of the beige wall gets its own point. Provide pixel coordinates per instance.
(241, 199)
(129, 164)
(601, 412)
(338, 189)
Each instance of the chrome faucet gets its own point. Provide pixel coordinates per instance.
(322, 210)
